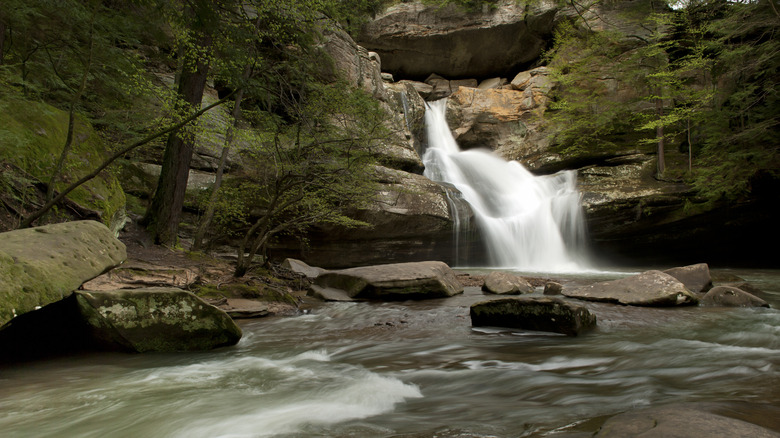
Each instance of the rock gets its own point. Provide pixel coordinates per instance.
(129, 320)
(491, 83)
(679, 421)
(41, 265)
(351, 61)
(695, 277)
(241, 308)
(504, 283)
(139, 274)
(415, 38)
(302, 268)
(506, 121)
(411, 221)
(651, 288)
(553, 288)
(328, 293)
(727, 296)
(400, 281)
(534, 313)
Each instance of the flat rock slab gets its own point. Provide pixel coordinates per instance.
(534, 313)
(651, 288)
(400, 281)
(41, 265)
(679, 421)
(129, 320)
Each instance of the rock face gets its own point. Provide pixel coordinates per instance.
(695, 277)
(129, 320)
(504, 283)
(399, 281)
(415, 39)
(534, 313)
(651, 288)
(680, 421)
(41, 265)
(727, 296)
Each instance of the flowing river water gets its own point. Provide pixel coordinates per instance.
(407, 369)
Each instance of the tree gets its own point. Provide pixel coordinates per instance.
(313, 170)
(164, 213)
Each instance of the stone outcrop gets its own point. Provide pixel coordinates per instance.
(728, 296)
(400, 281)
(129, 320)
(415, 39)
(534, 313)
(695, 277)
(350, 61)
(41, 265)
(302, 268)
(651, 288)
(504, 283)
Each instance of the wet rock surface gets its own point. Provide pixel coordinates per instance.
(534, 313)
(416, 280)
(651, 288)
(504, 283)
(728, 296)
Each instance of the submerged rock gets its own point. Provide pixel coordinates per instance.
(680, 421)
(129, 320)
(41, 265)
(504, 283)
(695, 277)
(651, 288)
(400, 281)
(534, 313)
(728, 296)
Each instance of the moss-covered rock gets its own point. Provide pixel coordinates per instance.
(44, 264)
(534, 313)
(33, 134)
(127, 320)
(156, 319)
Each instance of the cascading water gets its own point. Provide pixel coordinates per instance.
(527, 222)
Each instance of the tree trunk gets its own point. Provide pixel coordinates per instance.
(2, 41)
(164, 213)
(210, 208)
(690, 147)
(659, 133)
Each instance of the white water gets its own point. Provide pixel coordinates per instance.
(527, 222)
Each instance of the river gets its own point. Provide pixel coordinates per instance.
(407, 369)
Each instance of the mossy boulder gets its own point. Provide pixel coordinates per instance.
(534, 313)
(156, 319)
(127, 320)
(33, 135)
(44, 264)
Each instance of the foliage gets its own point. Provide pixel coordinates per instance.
(703, 76)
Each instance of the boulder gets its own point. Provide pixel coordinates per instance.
(681, 421)
(651, 288)
(695, 277)
(491, 83)
(400, 281)
(553, 288)
(129, 320)
(728, 296)
(41, 265)
(504, 283)
(534, 313)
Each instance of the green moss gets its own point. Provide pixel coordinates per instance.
(32, 135)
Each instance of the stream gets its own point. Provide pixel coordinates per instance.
(407, 369)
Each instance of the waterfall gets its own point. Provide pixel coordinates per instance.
(527, 222)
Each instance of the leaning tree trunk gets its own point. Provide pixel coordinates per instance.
(164, 213)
